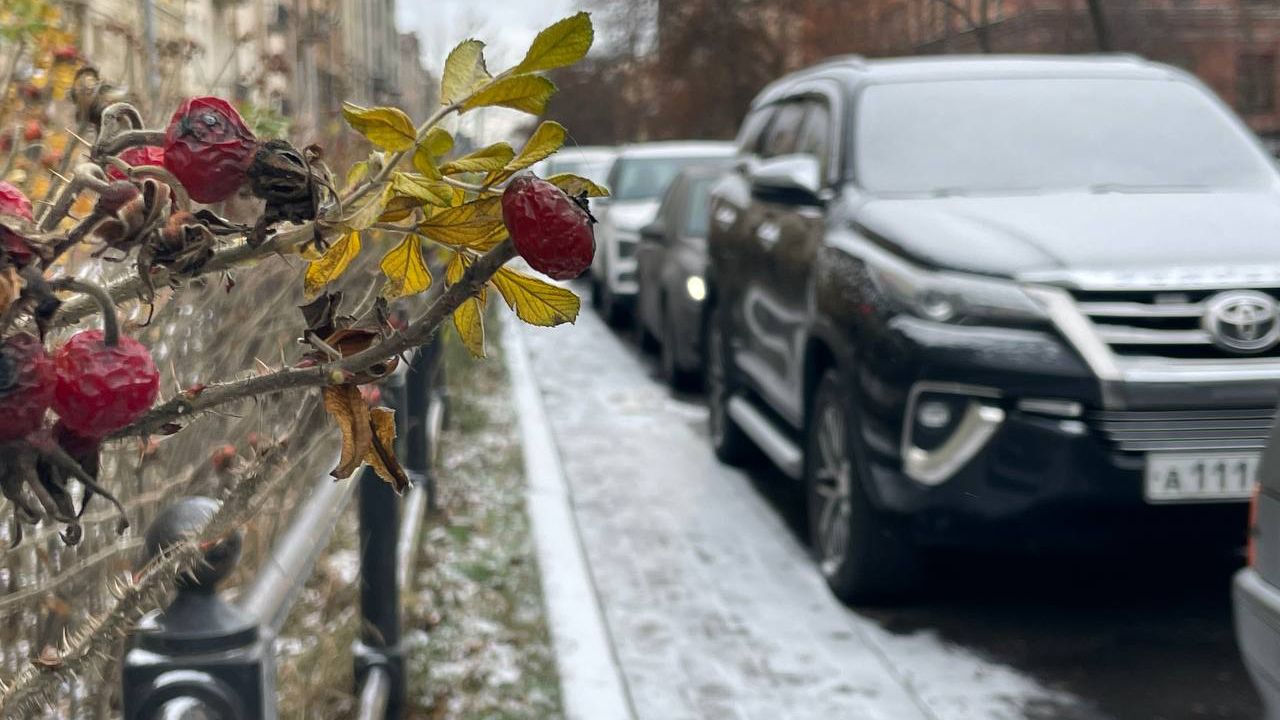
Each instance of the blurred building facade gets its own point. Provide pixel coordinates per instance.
(297, 58)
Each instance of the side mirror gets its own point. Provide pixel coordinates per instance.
(795, 179)
(653, 232)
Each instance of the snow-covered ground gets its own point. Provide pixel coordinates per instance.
(710, 606)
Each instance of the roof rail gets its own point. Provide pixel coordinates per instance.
(850, 59)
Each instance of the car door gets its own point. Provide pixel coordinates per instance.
(655, 242)
(801, 228)
(764, 324)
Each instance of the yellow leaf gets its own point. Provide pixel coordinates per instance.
(358, 172)
(382, 448)
(454, 270)
(422, 188)
(399, 208)
(368, 213)
(406, 269)
(351, 413)
(542, 143)
(488, 158)
(468, 320)
(464, 71)
(436, 143)
(332, 264)
(528, 93)
(564, 43)
(387, 127)
(536, 301)
(466, 225)
(574, 185)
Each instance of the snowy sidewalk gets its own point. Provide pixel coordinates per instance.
(709, 605)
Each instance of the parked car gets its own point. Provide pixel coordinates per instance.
(589, 161)
(1257, 587)
(964, 299)
(636, 182)
(670, 264)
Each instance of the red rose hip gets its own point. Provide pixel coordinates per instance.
(550, 230)
(208, 147)
(14, 202)
(26, 386)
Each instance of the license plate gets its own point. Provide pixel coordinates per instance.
(1184, 477)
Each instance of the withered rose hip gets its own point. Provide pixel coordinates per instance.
(14, 202)
(102, 387)
(550, 230)
(208, 147)
(26, 386)
(137, 156)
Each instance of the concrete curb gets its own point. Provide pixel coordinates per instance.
(591, 681)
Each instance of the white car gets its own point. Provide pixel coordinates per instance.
(639, 177)
(589, 161)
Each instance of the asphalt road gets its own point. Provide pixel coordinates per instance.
(715, 612)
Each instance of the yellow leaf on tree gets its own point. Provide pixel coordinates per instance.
(466, 225)
(436, 143)
(332, 264)
(387, 127)
(564, 43)
(527, 93)
(382, 448)
(422, 188)
(369, 212)
(358, 172)
(406, 269)
(542, 143)
(468, 320)
(492, 157)
(464, 71)
(536, 301)
(575, 185)
(351, 412)
(399, 208)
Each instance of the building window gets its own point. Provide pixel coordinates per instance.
(1256, 82)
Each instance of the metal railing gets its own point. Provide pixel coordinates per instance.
(205, 658)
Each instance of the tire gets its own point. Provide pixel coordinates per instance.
(865, 555)
(730, 443)
(596, 292)
(676, 377)
(647, 341)
(612, 309)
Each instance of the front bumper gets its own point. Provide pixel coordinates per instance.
(1257, 617)
(1041, 473)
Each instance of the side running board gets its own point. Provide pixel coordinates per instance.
(781, 450)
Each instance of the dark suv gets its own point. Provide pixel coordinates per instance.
(983, 299)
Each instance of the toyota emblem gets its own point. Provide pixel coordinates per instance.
(1243, 321)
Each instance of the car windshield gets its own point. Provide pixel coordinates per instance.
(646, 178)
(963, 136)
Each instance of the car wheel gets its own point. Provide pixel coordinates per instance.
(597, 290)
(728, 441)
(644, 336)
(612, 308)
(675, 376)
(865, 554)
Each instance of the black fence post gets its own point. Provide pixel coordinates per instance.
(379, 515)
(201, 656)
(424, 400)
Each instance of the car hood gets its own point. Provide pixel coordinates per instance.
(630, 214)
(1013, 236)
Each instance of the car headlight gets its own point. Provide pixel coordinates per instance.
(955, 297)
(696, 287)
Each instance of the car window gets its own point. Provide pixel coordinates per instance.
(669, 214)
(697, 207)
(815, 136)
(781, 136)
(751, 135)
(647, 178)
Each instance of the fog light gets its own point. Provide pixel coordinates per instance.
(696, 288)
(933, 415)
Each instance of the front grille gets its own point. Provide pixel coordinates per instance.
(1160, 323)
(1147, 430)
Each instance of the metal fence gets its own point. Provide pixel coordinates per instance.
(205, 657)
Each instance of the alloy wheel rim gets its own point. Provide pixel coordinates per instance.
(832, 482)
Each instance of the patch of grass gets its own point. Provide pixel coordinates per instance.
(476, 627)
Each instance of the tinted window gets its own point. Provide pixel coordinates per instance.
(752, 132)
(697, 215)
(781, 136)
(641, 178)
(815, 137)
(1023, 135)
